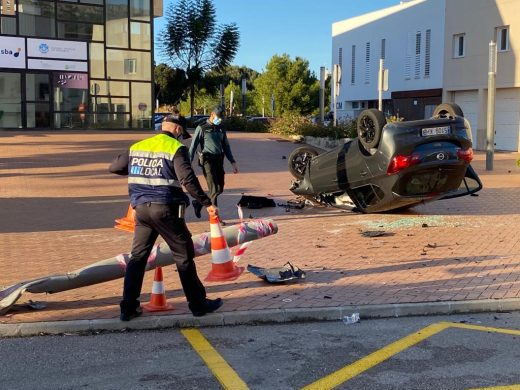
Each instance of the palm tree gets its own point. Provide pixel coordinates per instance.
(193, 41)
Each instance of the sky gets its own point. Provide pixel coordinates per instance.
(300, 28)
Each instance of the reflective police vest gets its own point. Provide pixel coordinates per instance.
(151, 175)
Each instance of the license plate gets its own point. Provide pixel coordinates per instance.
(435, 131)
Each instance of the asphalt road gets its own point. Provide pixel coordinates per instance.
(455, 352)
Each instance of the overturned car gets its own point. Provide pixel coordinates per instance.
(391, 165)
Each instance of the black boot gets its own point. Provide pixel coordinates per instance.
(209, 306)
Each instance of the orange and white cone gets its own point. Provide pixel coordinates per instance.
(127, 223)
(158, 297)
(222, 265)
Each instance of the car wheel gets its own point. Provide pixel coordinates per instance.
(447, 110)
(299, 160)
(370, 125)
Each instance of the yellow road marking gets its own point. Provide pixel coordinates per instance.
(481, 328)
(348, 372)
(369, 361)
(227, 377)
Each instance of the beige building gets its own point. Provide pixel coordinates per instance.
(470, 26)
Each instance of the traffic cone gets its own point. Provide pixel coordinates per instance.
(222, 265)
(158, 297)
(127, 223)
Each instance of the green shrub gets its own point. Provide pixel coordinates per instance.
(257, 127)
(234, 123)
(298, 125)
(288, 125)
(237, 123)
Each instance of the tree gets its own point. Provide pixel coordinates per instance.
(194, 42)
(170, 84)
(230, 74)
(294, 87)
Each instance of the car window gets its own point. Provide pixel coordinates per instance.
(468, 186)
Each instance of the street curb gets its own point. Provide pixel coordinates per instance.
(261, 317)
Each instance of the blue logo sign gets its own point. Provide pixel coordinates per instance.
(44, 48)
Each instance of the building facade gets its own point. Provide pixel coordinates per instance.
(470, 26)
(76, 64)
(436, 51)
(409, 37)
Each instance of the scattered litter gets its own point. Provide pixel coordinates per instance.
(36, 305)
(376, 233)
(277, 275)
(326, 297)
(319, 246)
(293, 204)
(287, 300)
(434, 245)
(351, 319)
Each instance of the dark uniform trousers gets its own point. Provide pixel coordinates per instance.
(166, 220)
(213, 170)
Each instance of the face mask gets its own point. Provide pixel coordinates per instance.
(217, 121)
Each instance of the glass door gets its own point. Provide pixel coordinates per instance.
(10, 100)
(38, 106)
(70, 100)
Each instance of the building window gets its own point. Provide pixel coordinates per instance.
(340, 57)
(418, 36)
(116, 23)
(383, 48)
(502, 38)
(427, 54)
(36, 18)
(130, 66)
(367, 63)
(353, 67)
(408, 59)
(459, 45)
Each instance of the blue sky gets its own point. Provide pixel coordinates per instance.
(296, 27)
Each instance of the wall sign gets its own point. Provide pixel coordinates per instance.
(48, 48)
(73, 66)
(70, 80)
(12, 52)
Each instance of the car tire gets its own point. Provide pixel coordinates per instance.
(299, 159)
(447, 110)
(370, 125)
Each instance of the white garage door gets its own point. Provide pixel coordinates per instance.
(507, 119)
(468, 101)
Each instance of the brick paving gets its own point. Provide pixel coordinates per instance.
(59, 204)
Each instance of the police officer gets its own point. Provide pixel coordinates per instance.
(156, 169)
(214, 145)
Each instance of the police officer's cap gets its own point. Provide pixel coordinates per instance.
(180, 120)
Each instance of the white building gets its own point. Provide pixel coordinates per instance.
(435, 51)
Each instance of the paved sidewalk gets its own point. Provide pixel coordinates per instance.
(59, 203)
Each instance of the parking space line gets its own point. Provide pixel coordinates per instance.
(510, 387)
(369, 361)
(227, 377)
(481, 328)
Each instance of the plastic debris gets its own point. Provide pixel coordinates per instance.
(36, 305)
(277, 275)
(375, 233)
(351, 319)
(255, 202)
